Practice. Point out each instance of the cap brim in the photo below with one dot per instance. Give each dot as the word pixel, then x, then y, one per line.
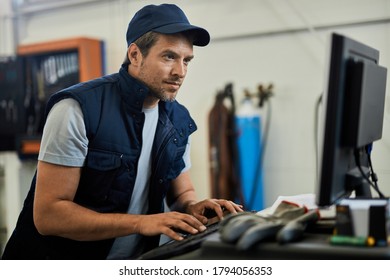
pixel 202 37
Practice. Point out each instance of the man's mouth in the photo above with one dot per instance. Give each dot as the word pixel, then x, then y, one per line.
pixel 174 84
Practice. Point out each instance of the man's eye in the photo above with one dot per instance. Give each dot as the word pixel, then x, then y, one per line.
pixel 169 56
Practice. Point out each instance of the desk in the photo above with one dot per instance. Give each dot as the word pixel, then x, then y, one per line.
pixel 313 246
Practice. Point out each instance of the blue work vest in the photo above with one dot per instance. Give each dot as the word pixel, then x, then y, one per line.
pixel 112 108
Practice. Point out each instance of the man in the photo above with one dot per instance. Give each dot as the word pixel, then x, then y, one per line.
pixel 113 149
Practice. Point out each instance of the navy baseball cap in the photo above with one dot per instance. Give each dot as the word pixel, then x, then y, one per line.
pixel 165 19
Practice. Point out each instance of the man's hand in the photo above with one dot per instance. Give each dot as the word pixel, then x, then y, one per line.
pixel 219 206
pixel 169 223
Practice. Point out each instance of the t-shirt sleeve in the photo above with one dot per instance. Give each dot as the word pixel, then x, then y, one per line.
pixel 187 156
pixel 64 140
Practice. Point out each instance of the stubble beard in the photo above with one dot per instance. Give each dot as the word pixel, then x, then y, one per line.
pixel 162 95
pixel 157 91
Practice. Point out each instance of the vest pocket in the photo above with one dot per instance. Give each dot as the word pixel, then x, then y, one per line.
pixel 98 178
pixel 103 161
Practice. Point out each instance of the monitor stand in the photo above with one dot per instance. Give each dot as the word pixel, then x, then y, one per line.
pixel 357 182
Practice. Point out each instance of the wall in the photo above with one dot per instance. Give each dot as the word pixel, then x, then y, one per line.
pixel 253 42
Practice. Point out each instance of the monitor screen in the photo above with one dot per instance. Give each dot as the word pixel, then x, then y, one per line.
pixel 352 120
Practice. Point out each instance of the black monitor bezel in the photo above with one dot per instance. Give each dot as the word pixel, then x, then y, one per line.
pixel 335 159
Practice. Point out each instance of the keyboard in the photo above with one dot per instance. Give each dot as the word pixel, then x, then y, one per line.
pixel 174 248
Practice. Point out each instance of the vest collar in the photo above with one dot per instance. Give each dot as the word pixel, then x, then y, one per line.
pixel 133 91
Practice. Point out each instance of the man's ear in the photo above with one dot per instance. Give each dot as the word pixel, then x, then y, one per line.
pixel 134 54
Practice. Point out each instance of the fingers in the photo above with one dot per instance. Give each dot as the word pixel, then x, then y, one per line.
pixel 185 223
pixel 188 224
pixel 171 224
pixel 183 227
pixel 227 206
pixel 230 206
pixel 172 234
pixel 218 206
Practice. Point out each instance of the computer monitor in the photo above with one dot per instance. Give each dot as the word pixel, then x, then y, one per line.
pixel 353 104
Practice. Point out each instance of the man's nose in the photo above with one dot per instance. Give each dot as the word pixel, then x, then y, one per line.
pixel 180 69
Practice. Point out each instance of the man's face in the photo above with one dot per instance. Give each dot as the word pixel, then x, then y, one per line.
pixel 163 70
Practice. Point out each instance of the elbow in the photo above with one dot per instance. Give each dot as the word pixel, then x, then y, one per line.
pixel 41 223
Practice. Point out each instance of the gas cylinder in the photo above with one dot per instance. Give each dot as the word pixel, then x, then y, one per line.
pixel 248 137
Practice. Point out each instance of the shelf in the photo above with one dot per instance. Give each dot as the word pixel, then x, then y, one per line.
pixel 90 53
pixel 47 68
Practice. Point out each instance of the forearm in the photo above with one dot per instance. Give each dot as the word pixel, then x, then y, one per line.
pixel 184 200
pixel 182 193
pixel 85 225
pixel 70 220
pixel 56 214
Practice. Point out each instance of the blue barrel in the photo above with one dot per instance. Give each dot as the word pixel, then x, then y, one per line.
pixel 249 155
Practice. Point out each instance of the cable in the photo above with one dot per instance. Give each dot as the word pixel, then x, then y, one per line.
pixel 357 160
pixel 374 177
pixel 316 119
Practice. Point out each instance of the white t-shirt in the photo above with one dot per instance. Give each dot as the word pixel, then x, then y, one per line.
pixel 64 142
